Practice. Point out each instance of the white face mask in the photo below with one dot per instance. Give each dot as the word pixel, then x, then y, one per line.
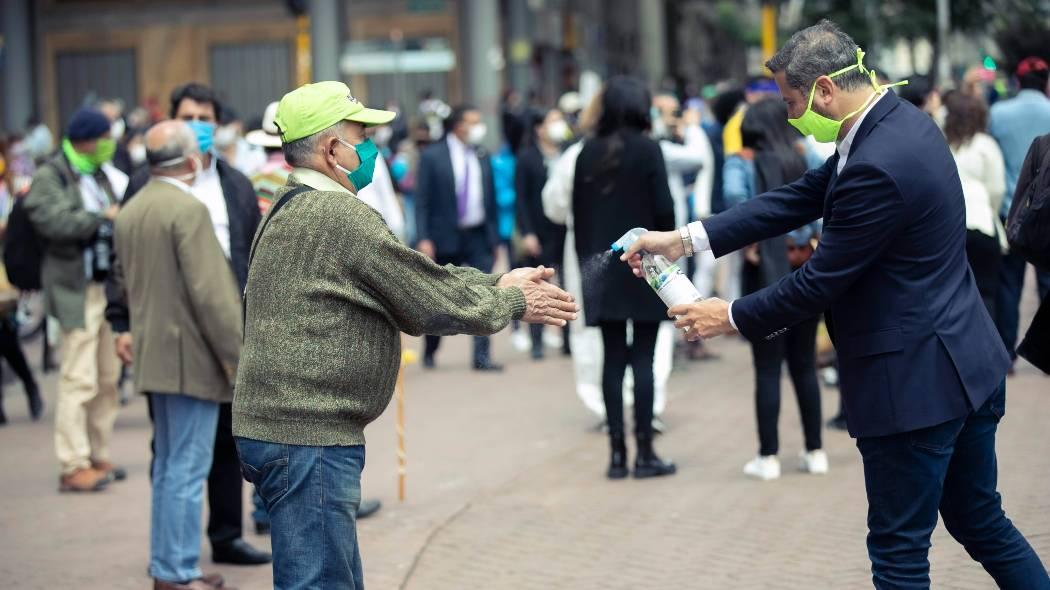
pixel 117 129
pixel 558 131
pixel 477 133
pixel 137 152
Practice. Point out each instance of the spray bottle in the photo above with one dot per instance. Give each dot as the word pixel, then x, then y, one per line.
pixel 669 282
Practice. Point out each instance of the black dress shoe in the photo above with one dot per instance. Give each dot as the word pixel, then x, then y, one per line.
pixel 490 367
pixel 368 508
pixel 838 422
pixel 239 552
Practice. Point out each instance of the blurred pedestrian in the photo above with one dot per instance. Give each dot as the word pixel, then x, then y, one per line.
pixel 234 213
pixel 1034 184
pixel 329 266
pixel 620 183
pixel 983 176
pixel 542 241
pixel 274 172
pixel 456 217
pixel 113 109
pixel 772 157
pixel 71 204
pixel 231 145
pixel 1015 123
pixel 181 296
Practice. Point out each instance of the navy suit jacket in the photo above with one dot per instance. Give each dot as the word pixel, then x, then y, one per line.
pixel 916 347
pixel 437 215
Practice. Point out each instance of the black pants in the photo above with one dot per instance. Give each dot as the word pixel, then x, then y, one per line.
pixel 640 356
pixel 11 350
pixel 798 346
pixel 225 498
pixel 475 251
pixel 986 258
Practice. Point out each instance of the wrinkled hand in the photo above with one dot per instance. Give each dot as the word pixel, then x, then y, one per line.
pixel 668 243
pixel 124 349
pixel 426 247
pixel 544 303
pixel 532 245
pixel 704 319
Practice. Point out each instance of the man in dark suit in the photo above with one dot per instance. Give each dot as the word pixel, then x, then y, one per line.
pixel 234 212
pixel 922 367
pixel 456 210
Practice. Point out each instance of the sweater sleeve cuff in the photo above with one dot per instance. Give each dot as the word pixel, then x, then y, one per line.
pixel 517 302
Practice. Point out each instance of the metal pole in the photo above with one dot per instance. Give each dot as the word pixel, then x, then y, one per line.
pixel 652 23
pixel 18 64
pixel 519 46
pixel 484 62
pixel 943 64
pixel 324 39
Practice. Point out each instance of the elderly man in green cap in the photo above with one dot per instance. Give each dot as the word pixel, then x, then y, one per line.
pixel 329 291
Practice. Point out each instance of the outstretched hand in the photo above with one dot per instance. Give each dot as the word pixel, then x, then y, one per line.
pixel 667 243
pixel 544 303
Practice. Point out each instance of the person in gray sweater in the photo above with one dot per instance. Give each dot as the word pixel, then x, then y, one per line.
pixel 329 291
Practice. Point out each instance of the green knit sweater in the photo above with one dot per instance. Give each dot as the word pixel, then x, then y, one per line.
pixel 329 291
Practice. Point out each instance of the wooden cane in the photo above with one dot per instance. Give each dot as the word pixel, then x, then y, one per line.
pixel 401 457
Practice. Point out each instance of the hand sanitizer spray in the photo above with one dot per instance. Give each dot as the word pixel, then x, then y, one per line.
pixel 669 282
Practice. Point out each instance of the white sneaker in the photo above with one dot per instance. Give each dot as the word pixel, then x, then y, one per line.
pixel 815 462
pixel 521 341
pixel 764 468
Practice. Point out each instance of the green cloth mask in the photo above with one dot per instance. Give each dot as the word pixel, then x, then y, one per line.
pixel 824 129
pixel 89 163
pixel 361 176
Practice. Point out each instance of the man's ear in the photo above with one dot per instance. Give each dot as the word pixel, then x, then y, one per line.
pixel 824 91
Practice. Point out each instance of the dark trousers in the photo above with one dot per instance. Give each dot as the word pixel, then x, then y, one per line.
pixel 799 347
pixel 225 501
pixel 475 251
pixel 640 356
pixel 950 468
pixel 1008 297
pixel 986 260
pixel 11 350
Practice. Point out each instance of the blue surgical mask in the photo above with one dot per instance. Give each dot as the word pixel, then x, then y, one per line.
pixel 361 176
pixel 205 133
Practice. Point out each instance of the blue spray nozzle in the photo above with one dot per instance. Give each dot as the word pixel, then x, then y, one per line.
pixel 627 239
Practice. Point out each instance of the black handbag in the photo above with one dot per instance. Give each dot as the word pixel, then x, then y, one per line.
pixel 1028 224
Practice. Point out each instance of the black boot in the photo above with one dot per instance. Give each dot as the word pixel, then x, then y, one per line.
pixel 647 464
pixel 36 403
pixel 617 458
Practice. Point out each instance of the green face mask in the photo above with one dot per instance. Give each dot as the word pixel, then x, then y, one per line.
pixel 89 163
pixel 826 130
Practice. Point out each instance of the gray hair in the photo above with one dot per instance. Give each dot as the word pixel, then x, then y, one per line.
pixel 301 151
pixel 177 143
pixel 817 51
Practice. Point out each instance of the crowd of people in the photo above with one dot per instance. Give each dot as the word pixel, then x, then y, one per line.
pixel 156 252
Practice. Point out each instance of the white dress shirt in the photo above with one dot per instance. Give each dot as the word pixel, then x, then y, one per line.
pixel 699 235
pixel 462 158
pixel 208 190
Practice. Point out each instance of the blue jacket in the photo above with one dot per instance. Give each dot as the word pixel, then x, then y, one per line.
pixel 916 346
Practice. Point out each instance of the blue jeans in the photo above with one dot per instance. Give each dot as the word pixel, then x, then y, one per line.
pixel 1008 297
pixel 312 495
pixel 949 467
pixel 184 437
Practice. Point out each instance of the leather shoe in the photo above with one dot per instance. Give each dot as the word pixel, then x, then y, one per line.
pixel 112 472
pixel 198 584
pixel 214 580
pixel 83 480
pixel 239 552
pixel 368 508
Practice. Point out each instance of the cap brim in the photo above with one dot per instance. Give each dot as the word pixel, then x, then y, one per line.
pixel 372 117
pixel 263 139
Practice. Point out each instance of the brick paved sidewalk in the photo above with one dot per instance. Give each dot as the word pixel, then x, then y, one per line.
pixel 506 490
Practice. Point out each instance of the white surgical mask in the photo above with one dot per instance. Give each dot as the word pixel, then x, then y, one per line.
pixel 558 131
pixel 137 152
pixel 477 133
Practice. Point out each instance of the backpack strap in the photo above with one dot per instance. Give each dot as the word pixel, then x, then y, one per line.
pixel 284 200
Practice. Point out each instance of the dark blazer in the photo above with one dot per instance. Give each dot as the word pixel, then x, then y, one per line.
pixel 437 214
pixel 530 174
pixel 243 210
pixel 916 347
pixel 605 205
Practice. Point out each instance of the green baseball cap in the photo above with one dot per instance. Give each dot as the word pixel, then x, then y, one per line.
pixel 314 107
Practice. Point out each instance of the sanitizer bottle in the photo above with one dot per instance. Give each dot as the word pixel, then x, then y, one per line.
pixel 669 282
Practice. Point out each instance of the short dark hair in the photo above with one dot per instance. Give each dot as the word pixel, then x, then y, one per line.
pixel 817 51
pixel 196 92
pixel 456 116
pixel 1034 80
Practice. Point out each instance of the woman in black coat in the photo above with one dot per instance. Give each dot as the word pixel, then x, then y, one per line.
pixel 621 183
pixel 542 240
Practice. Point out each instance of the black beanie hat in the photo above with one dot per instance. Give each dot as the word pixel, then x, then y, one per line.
pixel 87 124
